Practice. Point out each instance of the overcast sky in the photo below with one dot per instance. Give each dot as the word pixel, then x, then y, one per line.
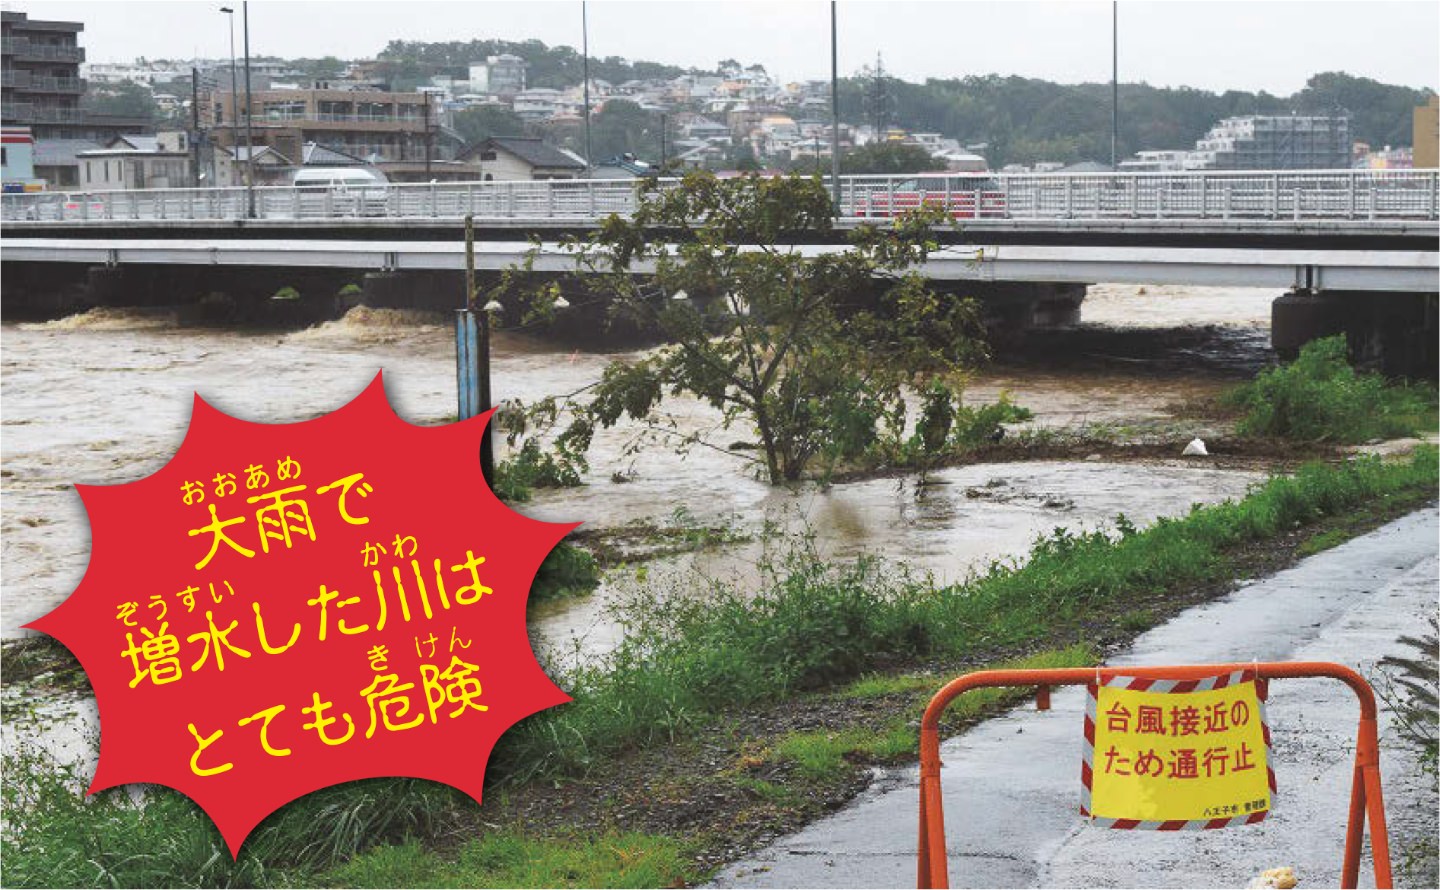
pixel 1251 45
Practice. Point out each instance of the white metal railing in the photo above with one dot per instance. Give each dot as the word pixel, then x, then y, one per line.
pixel 1358 195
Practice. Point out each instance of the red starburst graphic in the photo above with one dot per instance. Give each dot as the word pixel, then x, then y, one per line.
pixel 285 607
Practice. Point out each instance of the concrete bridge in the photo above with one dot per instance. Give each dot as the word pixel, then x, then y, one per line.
pixel 1350 250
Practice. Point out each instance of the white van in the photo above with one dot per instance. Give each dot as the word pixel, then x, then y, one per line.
pixel 341 191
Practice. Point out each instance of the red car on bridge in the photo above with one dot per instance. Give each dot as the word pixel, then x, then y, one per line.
pixel 964 196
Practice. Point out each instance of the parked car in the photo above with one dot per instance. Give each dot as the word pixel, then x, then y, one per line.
pixel 965 196
pixel 81 206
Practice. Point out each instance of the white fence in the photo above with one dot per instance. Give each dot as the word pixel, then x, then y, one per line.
pixel 1358 195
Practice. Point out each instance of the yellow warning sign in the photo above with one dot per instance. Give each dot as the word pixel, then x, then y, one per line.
pixel 1176 754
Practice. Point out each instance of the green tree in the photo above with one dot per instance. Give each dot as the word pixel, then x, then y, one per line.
pixel 813 352
pixel 890 157
pixel 125 98
pixel 486 121
pixel 623 127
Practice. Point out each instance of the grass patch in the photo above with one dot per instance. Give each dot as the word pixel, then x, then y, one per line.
pixel 821 753
pixel 1319 397
pixel 508 859
pixel 1324 541
pixel 881 685
pixel 762 789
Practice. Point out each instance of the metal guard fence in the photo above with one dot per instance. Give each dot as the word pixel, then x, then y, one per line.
pixel 1357 195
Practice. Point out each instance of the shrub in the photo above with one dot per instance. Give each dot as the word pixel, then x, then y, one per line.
pixel 1319 397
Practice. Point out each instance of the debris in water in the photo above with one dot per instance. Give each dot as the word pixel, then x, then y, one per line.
pixel 1196 447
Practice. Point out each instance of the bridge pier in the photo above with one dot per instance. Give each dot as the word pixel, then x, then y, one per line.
pixel 44 290
pixel 1391 332
pixel 1009 309
pixel 434 290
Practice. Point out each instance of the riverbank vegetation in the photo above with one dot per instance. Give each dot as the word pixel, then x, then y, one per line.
pixel 1320 397
pixel 813 639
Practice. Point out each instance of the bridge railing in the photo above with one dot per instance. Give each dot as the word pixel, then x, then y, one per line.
pixel 1169 197
pixel 1222 195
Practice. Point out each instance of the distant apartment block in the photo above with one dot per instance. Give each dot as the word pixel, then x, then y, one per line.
pixel 1162 161
pixel 375 126
pixel 1293 142
pixel 502 75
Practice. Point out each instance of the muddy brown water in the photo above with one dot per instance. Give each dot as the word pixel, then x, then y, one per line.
pixel 104 398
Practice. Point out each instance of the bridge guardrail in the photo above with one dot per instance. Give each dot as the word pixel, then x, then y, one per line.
pixel 1163 197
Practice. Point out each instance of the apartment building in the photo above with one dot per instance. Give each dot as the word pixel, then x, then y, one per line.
pixel 41 67
pixel 1293 142
pixel 369 124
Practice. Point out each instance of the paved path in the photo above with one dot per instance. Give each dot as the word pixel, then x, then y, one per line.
pixel 1019 773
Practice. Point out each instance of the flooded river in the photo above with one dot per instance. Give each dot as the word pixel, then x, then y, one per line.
pixel 104 398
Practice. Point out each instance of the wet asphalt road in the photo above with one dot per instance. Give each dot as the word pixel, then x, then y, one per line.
pixel 1012 784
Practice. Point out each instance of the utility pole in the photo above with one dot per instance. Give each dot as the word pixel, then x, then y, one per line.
pixel 195 137
pixel 234 97
pixel 428 151
pixel 834 112
pixel 249 137
pixel 1114 84
pixel 662 143
pixel 585 63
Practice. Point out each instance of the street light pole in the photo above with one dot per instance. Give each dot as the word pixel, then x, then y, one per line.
pixel 585 63
pixel 249 136
pixel 834 112
pixel 1114 84
pixel 234 96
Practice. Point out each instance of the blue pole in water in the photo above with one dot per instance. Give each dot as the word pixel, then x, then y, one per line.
pixel 472 357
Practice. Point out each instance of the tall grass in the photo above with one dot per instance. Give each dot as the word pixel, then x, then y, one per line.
pixel 686 658
pixel 53 836
pixel 1319 397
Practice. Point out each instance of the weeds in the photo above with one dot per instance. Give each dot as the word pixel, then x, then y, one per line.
pixel 54 836
pixel 567 571
pixel 508 859
pixel 1319 397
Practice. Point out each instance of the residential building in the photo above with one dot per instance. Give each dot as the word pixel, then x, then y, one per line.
pixel 502 75
pixel 1293 142
pixel 538 104
pixel 703 128
pixel 1426 122
pixel 503 159
pixel 375 126
pixel 1162 161
pixel 41 66
pixel 138 162
pixel 40 88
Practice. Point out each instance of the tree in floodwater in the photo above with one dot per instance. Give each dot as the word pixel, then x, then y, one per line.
pixel 813 348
